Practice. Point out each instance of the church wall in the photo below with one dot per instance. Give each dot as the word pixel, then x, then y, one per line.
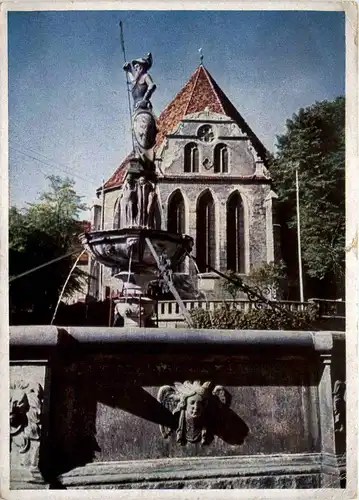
pixel 243 163
pixel 110 200
pixel 253 197
pixel 109 205
pixel 258 226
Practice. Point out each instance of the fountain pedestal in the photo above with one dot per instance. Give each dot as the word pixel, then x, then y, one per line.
pixel 144 253
pixel 134 311
pixel 138 246
pixel 134 307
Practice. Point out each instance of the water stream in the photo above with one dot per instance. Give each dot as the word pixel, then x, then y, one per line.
pixel 204 293
pixel 64 287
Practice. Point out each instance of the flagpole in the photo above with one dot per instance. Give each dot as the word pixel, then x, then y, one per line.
pixel 102 228
pixel 301 292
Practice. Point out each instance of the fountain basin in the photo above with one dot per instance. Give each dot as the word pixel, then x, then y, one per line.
pixel 102 413
pixel 115 248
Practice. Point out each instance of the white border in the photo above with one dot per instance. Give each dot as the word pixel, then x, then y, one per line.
pixel 352 269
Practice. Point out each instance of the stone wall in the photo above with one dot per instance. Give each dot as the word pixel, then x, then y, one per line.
pixel 110 396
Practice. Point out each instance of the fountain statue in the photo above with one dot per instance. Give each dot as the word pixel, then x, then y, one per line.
pixel 136 248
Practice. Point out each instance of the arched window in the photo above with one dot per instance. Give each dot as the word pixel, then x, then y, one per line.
pixel 116 214
pixel 175 213
pixel 191 157
pixel 221 159
pixel 176 218
pixel 235 234
pixel 206 238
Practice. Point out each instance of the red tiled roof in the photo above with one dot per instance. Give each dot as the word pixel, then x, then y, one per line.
pixel 118 176
pixel 85 225
pixel 196 95
pixel 200 92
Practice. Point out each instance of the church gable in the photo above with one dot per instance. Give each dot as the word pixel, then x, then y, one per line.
pixel 208 143
pixel 201 103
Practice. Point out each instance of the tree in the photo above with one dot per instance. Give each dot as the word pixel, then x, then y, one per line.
pixel 269 278
pixel 314 143
pixel 37 234
pixel 230 286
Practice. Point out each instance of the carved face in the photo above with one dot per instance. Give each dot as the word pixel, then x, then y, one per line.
pixel 142 181
pixel 129 183
pixel 138 69
pixel 19 406
pixel 195 406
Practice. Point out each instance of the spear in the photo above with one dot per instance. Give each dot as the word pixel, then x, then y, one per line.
pixel 127 82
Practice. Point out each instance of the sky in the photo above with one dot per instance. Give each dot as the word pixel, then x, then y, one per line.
pixel 68 104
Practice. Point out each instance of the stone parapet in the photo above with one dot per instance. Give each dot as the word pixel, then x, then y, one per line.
pixel 176 408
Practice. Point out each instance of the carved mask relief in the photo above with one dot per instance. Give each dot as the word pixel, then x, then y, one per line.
pixel 195 405
pixel 25 415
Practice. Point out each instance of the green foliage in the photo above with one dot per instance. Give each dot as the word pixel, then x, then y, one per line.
pixel 315 143
pixel 56 212
pixel 230 285
pixel 42 232
pixel 268 277
pixel 232 318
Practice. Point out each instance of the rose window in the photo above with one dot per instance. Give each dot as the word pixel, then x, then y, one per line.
pixel 205 133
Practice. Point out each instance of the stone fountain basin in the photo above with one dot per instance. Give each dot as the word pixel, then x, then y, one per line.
pixel 113 247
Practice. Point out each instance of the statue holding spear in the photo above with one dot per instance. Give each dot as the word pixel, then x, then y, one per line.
pixel 141 171
pixel 142 83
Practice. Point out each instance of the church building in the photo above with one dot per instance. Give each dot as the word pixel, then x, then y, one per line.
pixel 213 184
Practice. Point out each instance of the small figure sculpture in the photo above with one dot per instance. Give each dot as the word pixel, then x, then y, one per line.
pixel 136 204
pixel 129 203
pixel 143 191
pixel 194 404
pixel 152 197
pixel 142 83
pixel 146 198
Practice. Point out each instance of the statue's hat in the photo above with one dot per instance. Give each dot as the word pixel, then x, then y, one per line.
pixel 145 61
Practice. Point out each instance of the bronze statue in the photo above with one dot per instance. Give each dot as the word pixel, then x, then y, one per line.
pixel 142 83
pixel 143 121
pixel 138 199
